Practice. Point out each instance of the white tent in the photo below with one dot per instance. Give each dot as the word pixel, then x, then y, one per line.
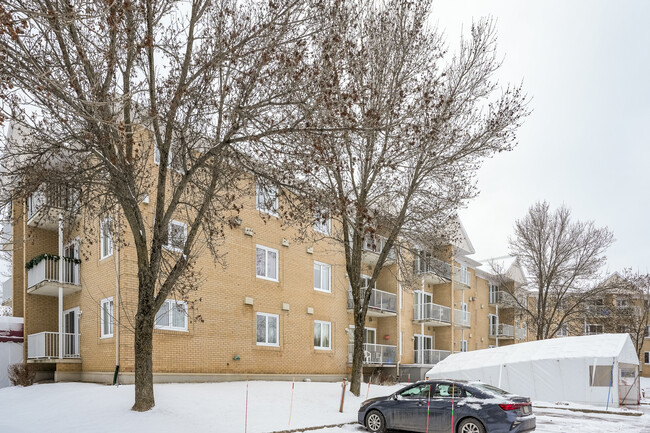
pixel 11 345
pixel 596 369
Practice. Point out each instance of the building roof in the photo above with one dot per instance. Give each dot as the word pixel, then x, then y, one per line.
pixel 590 346
pixel 505 265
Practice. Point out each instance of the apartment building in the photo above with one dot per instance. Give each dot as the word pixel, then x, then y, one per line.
pixel 277 308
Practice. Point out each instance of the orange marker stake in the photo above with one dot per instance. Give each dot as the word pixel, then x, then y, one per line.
pixel 453 391
pixel 428 406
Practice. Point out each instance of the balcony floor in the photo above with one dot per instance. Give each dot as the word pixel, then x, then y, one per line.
pixel 54 361
pixel 431 322
pixel 51 288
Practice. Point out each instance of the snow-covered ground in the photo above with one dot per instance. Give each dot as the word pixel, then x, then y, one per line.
pixel 645 389
pixel 221 407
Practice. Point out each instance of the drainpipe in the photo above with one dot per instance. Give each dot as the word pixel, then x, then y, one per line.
pixel 60 286
pixel 116 302
pixel 498 320
pixel 399 318
pixel 453 325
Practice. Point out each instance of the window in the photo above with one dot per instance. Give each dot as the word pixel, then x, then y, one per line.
pixel 593 329
pixel 493 320
pixel 106 317
pixel 323 223
pixel 106 237
pixel 647 332
pixel 621 303
pixel 266 263
pixel 646 357
pixel 176 235
pixel 602 376
pixel 322 335
pixel 267 329
pixel 172 316
pixel 494 293
pixel 463 345
pixel 563 331
pixel 322 274
pixel 267 199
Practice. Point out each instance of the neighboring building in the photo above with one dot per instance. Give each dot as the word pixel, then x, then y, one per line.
pixel 6 292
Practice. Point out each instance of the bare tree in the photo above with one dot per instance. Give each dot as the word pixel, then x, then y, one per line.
pixel 564 259
pixel 97 87
pixel 396 130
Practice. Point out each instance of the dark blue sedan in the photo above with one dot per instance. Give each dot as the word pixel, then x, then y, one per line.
pixel 433 406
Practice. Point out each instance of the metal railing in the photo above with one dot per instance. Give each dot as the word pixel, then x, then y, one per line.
pixel 379 300
pixel 502 297
pixel 430 356
pixel 600 310
pixel 51 196
pixel 433 312
pixel 431 265
pixel 461 317
pixel 461 276
pixel 46 345
pixel 376 353
pixel 502 330
pixel 48 270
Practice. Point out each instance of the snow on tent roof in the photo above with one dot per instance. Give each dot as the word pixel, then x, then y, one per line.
pixel 589 346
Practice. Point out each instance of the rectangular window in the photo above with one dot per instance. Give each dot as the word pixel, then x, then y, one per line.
pixel 493 320
pixel 172 316
pixel 266 264
pixel 646 357
pixel 267 198
pixel 267 329
pixel 494 293
pixel 621 303
pixel 563 331
pixel 602 376
pixel 323 223
pixel 647 332
pixel 106 237
pixel 106 317
pixel 322 277
pixel 593 329
pixel 176 235
pixel 463 345
pixel 322 335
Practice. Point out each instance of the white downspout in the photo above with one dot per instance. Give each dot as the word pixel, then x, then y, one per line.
pixel 61 286
pixel 498 320
pixel 116 303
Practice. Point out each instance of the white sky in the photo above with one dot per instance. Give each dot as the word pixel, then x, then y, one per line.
pixel 585 64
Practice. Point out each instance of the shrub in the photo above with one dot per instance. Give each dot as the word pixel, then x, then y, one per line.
pixel 21 375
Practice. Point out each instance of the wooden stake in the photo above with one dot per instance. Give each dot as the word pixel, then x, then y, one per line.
pixel 368 392
pixel 343 395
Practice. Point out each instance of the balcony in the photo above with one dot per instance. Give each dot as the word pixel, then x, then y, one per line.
pixel 381 304
pixel 43 275
pixel 461 318
pixel 461 276
pixel 432 314
pixel 44 346
pixel 502 331
pixel 430 356
pixel 432 270
pixel 372 246
pixel 376 354
pixel 48 202
pixel 503 299
pixel 599 310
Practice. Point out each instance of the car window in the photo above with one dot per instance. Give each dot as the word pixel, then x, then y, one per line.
pixel 490 389
pixel 416 392
pixel 446 389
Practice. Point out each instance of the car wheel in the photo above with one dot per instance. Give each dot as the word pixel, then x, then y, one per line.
pixel 375 422
pixel 471 425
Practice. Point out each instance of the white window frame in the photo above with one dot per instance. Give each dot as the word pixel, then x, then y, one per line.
pixel 493 293
pixel 323 266
pixel 268 250
pixel 494 323
pixel 589 325
pixel 325 228
pixel 647 332
pixel 563 331
pixel 267 316
pixel 329 334
pixel 270 190
pixel 106 301
pixel 172 304
pixel 105 239
pixel 167 245
pixel 463 346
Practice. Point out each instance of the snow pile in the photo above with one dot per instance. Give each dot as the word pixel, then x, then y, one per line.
pixel 214 407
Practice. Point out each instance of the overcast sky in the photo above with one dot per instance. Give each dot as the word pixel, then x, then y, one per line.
pixel 586 66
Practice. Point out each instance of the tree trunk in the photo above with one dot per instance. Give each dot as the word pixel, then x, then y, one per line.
pixel 357 354
pixel 144 399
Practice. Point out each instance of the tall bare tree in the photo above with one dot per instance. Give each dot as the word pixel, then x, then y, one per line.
pixel 396 130
pixel 564 261
pixel 95 86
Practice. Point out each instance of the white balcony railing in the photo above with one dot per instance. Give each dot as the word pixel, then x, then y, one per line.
pixel 430 356
pixel 432 265
pixel 502 330
pixel 376 353
pixel 379 300
pixel 47 269
pixel 461 318
pixel 46 345
pixel 432 312
pixel 461 276
pixel 50 196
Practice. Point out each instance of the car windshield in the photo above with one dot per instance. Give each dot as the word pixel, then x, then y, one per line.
pixel 490 389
